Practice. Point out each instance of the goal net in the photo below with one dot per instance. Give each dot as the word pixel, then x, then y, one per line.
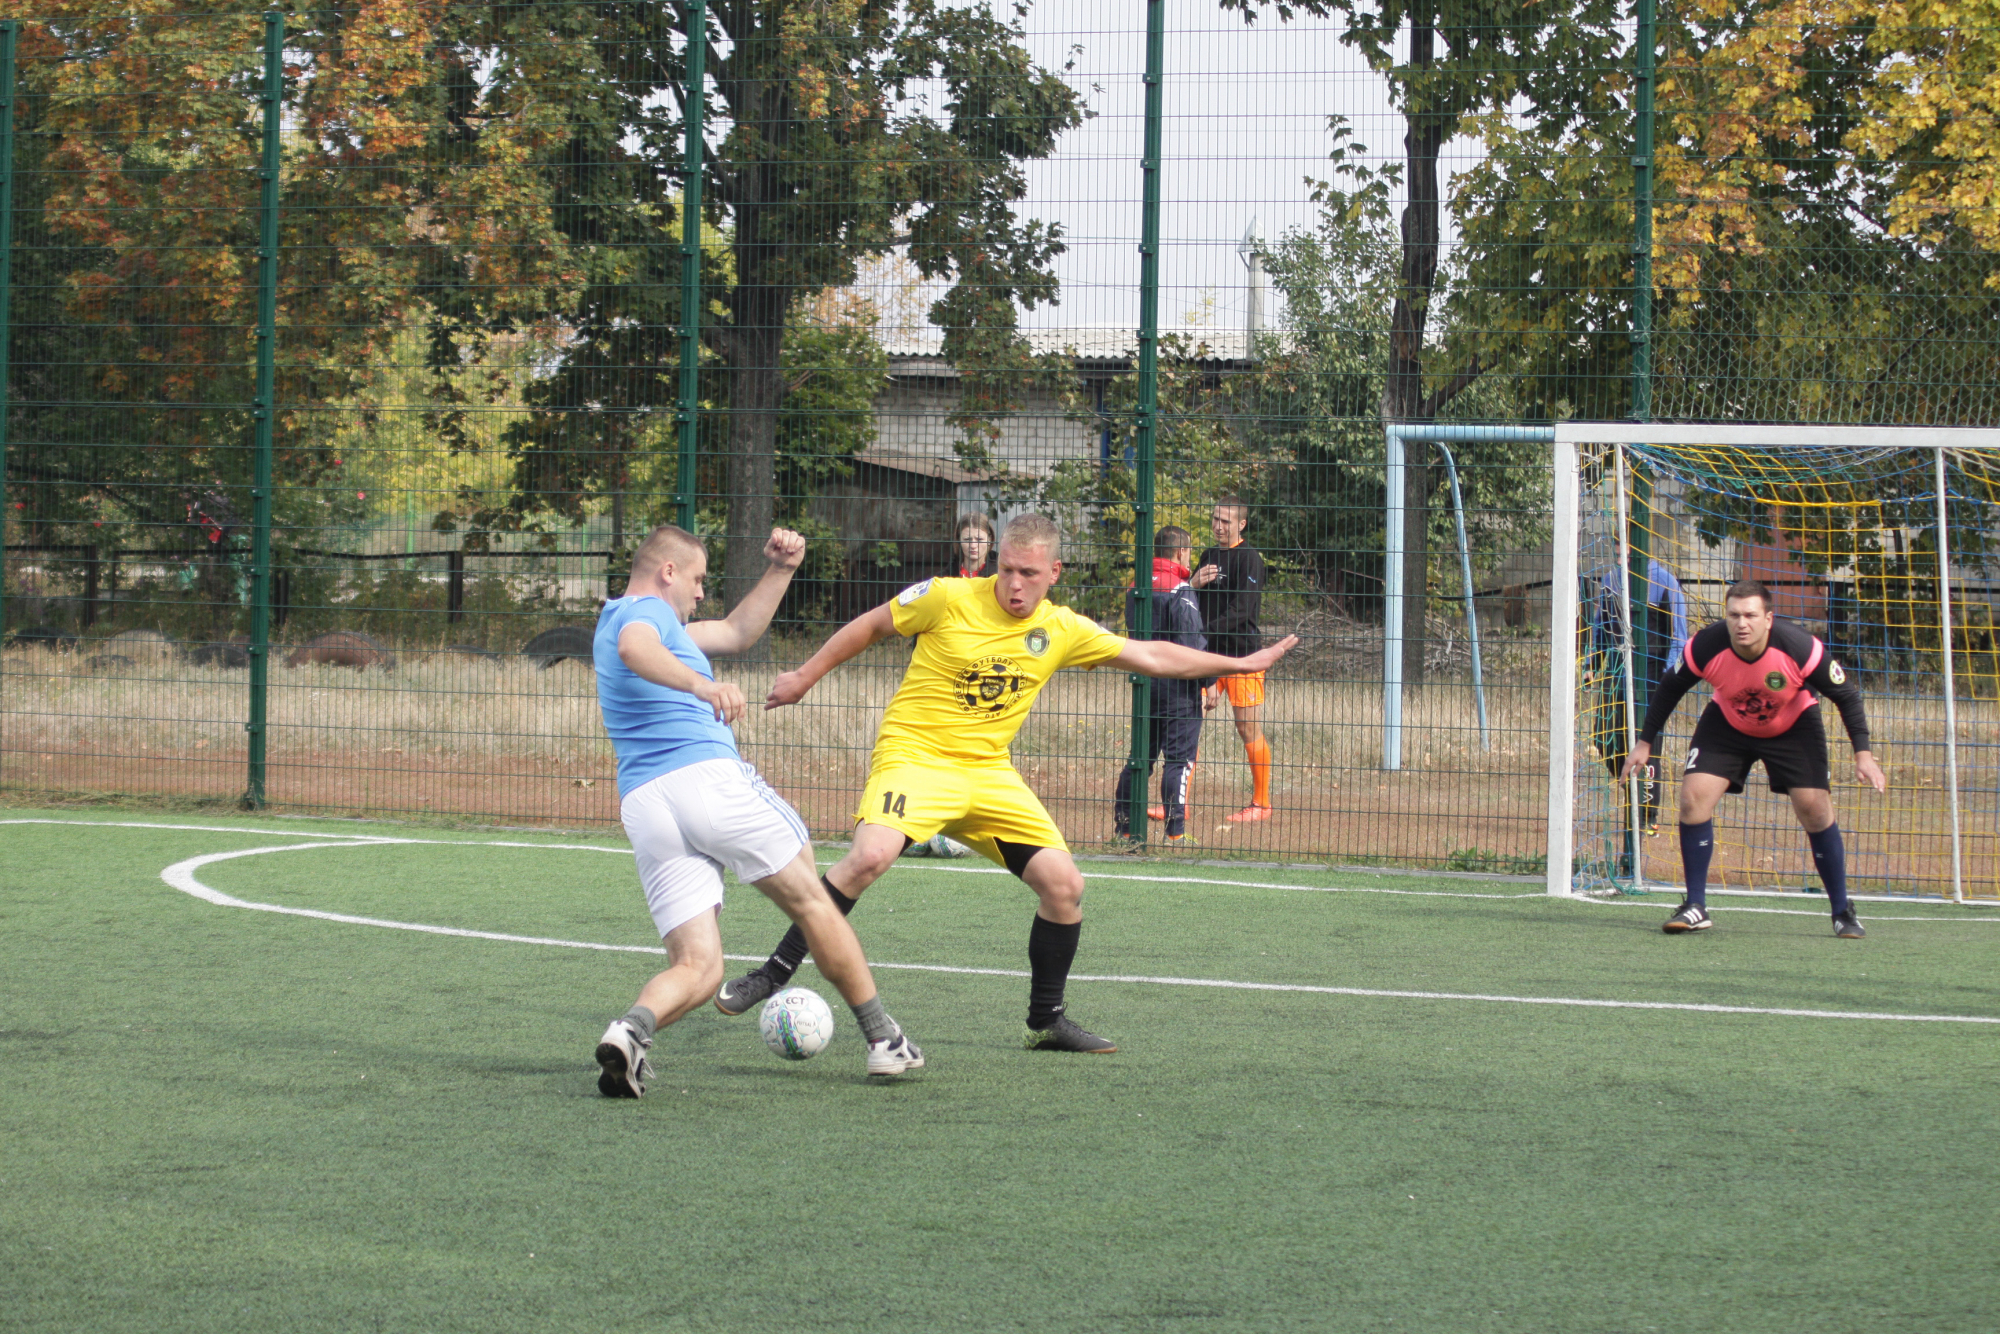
pixel 1881 541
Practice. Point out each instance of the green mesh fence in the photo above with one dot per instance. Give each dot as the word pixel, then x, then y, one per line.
pixel 920 288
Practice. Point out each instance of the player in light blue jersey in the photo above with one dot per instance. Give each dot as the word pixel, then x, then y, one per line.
pixel 692 807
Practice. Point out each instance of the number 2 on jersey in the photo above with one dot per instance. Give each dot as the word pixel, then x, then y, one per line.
pixel 892 802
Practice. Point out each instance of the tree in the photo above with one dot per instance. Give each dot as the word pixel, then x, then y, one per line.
pixel 850 128
pixel 1316 394
pixel 412 134
pixel 1817 244
pixel 1200 452
pixel 1465 59
pixel 1833 156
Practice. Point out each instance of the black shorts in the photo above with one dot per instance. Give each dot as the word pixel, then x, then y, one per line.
pixel 1795 757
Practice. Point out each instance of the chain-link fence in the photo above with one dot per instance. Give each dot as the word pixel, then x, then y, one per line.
pixel 489 294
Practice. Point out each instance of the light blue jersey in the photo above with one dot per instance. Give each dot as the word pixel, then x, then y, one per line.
pixel 654 730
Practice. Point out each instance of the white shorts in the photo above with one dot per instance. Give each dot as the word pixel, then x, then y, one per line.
pixel 686 826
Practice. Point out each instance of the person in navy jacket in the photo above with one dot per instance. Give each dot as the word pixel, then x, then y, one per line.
pixel 1177 705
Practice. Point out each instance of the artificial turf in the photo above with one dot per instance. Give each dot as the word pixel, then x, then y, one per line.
pixel 218 1119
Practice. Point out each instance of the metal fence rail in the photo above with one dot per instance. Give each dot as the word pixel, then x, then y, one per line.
pixel 346 356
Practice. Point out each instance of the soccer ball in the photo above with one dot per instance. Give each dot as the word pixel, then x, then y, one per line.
pixel 937 846
pixel 796 1023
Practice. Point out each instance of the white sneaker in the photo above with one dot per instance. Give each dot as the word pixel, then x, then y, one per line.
pixel 622 1054
pixel 894 1055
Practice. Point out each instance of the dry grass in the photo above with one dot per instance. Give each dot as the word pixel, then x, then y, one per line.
pixel 446 705
pixel 453 734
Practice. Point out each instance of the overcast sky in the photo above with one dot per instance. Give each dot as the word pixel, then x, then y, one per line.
pixel 1246 110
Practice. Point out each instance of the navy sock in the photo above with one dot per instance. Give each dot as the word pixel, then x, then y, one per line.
pixel 1697 848
pixel 791 951
pixel 1830 856
pixel 1051 951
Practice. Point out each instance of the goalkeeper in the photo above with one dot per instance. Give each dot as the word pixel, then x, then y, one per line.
pixel 1767 675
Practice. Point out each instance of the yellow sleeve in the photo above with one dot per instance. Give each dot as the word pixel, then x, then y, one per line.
pixel 921 606
pixel 1088 643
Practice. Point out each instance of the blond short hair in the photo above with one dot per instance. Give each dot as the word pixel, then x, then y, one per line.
pixel 665 543
pixel 1033 530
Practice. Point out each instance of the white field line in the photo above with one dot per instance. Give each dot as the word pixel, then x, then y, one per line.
pixel 1535 895
pixel 1952 912
pixel 181 876
pixel 1950 915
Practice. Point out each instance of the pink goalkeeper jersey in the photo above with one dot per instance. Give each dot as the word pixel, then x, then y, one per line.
pixel 1764 697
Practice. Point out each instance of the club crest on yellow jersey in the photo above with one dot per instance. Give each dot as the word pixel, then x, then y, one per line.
pixel 989 685
pixel 1036 641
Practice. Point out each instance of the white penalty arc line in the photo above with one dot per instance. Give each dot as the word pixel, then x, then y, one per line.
pixel 181 876
pixel 1953 912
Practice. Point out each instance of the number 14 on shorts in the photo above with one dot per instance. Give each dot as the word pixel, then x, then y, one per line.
pixel 893 803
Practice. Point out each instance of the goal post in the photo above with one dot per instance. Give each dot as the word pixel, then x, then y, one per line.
pixel 1883 541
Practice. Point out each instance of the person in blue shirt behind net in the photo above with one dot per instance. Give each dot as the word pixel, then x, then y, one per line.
pixel 692 807
pixel 1663 605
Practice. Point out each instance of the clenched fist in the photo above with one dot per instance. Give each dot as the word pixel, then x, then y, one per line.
pixel 785 549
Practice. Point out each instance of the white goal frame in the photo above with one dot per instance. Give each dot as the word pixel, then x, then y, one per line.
pixel 1565 601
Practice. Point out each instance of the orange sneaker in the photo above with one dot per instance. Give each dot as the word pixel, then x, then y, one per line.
pixel 1249 813
pixel 1156 812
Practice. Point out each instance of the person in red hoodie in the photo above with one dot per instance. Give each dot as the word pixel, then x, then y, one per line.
pixel 1177 705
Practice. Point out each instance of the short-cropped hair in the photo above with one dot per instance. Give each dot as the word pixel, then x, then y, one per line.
pixel 1169 540
pixel 1033 530
pixel 665 543
pixel 1234 503
pixel 1748 588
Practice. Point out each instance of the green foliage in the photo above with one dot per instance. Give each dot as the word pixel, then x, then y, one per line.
pixel 1200 452
pixel 833 374
pixel 1316 398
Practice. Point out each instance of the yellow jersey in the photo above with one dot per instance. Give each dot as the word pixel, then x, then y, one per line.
pixel 976 669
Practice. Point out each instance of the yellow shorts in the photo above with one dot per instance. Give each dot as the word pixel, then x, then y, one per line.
pixel 978 807
pixel 1245 691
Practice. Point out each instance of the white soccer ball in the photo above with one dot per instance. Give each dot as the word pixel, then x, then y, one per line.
pixel 796 1023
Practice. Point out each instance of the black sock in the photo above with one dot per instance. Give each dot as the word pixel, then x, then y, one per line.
pixel 1051 950
pixel 1829 852
pixel 1697 847
pixel 792 950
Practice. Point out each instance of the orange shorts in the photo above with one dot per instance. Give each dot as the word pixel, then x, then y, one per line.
pixel 1246 691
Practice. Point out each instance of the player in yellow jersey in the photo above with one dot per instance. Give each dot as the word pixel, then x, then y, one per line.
pixel 985 648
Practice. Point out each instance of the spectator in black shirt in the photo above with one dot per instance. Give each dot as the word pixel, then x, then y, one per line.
pixel 1231 590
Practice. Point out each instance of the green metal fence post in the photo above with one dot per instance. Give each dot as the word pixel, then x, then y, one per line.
pixel 8 31
pixel 1640 520
pixel 263 410
pixel 1643 44
pixel 1148 414
pixel 688 403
